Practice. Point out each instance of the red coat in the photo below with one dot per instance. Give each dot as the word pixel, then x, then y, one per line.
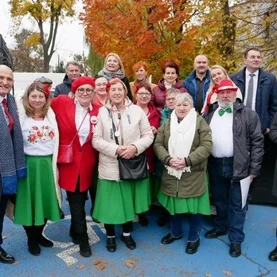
pixel 84 157
pixel 154 117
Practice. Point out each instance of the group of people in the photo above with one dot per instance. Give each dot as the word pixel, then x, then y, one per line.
pixel 202 136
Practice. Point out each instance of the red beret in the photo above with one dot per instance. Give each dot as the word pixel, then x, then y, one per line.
pixel 83 80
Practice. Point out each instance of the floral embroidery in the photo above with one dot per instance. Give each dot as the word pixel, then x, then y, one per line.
pixel 44 133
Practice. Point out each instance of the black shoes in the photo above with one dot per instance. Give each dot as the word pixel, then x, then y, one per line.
pixel 169 239
pixel 273 255
pixel 192 246
pixel 33 247
pixel 43 241
pixel 5 258
pixel 213 234
pixel 110 245
pixel 235 250
pixel 85 250
pixel 129 242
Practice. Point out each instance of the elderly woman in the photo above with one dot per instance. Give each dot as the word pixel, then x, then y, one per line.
pixel 38 194
pixel 170 100
pixel 183 144
pixel 170 80
pixel 217 73
pixel 142 98
pixel 141 76
pixel 122 131
pixel 113 67
pixel 76 118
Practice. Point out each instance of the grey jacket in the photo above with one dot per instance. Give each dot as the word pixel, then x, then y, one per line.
pixel 247 138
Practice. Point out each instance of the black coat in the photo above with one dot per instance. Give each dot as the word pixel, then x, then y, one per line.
pixel 273 137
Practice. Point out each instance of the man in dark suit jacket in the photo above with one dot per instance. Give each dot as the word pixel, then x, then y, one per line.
pixel 260 94
pixel 12 158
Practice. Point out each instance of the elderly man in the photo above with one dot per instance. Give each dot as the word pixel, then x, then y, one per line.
pixel 236 154
pixel 198 82
pixel 12 159
pixel 73 71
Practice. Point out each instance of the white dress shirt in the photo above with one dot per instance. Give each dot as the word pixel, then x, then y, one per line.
pixel 255 86
pixel 222 134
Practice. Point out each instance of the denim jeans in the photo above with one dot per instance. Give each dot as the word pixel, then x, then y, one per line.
pixel 195 224
pixel 226 195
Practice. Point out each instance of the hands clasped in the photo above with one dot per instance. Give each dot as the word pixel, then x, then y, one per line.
pixel 177 163
pixel 126 151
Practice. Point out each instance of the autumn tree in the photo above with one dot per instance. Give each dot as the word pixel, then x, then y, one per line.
pixel 43 13
pixel 155 31
pixel 26 58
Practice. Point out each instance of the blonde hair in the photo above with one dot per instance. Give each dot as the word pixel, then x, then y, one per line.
pixel 28 109
pixel 118 59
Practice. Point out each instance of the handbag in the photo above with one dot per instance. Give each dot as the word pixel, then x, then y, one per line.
pixel 133 168
pixel 65 154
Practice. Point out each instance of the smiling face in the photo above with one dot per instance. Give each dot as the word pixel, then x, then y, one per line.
pixel 100 86
pixel 182 108
pixel 37 100
pixel 84 95
pixel 117 94
pixel 141 74
pixel 6 80
pixel 217 75
pixel 253 60
pixel 201 64
pixel 170 75
pixel 73 72
pixel 112 64
pixel 143 96
pixel 226 98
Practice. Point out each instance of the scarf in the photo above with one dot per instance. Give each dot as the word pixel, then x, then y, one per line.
pixel 110 75
pixel 12 158
pixel 180 140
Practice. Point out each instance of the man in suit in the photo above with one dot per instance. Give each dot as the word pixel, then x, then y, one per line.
pixel 12 159
pixel 258 87
pixel 236 154
pixel 198 82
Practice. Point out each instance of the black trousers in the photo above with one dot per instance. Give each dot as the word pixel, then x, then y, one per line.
pixel 77 202
pixel 126 228
pixel 3 206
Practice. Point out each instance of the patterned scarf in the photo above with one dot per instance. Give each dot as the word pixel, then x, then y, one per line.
pixel 12 158
pixel 109 74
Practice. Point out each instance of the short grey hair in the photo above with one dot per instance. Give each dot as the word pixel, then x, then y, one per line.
pixel 72 63
pixel 184 97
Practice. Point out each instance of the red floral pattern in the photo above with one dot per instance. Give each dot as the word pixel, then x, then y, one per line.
pixel 44 133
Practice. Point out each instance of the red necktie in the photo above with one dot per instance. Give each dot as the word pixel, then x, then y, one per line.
pixel 9 116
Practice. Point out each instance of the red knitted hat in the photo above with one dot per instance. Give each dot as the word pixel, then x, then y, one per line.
pixel 225 85
pixel 83 80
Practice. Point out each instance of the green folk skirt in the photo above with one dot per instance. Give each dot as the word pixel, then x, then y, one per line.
pixel 118 202
pixel 193 205
pixel 36 197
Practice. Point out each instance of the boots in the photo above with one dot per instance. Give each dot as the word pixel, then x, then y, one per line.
pixel 41 239
pixel 32 242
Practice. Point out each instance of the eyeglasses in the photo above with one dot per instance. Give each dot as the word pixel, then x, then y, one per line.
pixel 101 85
pixel 170 99
pixel 144 93
pixel 83 90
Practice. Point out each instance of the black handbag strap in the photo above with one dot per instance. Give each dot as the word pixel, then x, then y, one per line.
pixel 114 130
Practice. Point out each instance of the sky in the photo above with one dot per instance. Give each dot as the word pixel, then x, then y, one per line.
pixel 70 37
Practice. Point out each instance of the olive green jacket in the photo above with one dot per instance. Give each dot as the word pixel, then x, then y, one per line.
pixel 192 184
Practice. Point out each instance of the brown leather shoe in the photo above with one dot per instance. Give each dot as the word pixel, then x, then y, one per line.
pixel 5 258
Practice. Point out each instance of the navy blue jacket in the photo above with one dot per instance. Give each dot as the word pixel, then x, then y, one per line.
pixel 266 97
pixel 64 87
pixel 190 85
